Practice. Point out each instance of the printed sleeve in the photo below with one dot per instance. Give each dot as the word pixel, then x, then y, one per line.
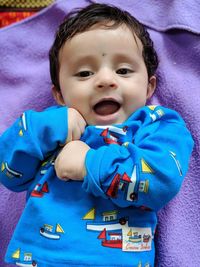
pixel 28 142
pixel 146 172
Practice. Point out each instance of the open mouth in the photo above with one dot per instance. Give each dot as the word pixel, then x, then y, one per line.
pixel 106 107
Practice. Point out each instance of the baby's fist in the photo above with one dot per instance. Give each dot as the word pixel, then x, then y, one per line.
pixel 70 163
pixel 76 125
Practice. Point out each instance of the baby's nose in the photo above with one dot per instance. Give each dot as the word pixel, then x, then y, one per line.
pixel 106 80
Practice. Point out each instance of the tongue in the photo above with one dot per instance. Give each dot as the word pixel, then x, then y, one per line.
pixel 106 107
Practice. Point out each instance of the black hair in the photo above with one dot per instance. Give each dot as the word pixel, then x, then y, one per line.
pixel 81 20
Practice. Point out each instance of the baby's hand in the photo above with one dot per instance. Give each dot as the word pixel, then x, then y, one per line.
pixel 70 163
pixel 76 125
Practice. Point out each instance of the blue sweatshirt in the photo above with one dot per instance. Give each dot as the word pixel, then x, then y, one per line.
pixel 109 219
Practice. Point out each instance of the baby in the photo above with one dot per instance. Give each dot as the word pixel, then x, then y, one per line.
pixel 98 166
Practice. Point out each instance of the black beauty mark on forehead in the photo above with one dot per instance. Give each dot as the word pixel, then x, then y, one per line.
pixel 103 54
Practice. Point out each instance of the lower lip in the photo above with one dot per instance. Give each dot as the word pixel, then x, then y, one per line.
pixel 106 119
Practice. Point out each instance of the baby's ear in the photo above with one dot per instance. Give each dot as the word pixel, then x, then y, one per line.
pixel 57 95
pixel 151 86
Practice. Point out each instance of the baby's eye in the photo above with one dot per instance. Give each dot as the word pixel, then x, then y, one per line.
pixel 84 73
pixel 124 71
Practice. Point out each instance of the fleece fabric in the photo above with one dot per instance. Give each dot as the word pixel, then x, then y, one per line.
pixel 132 170
pixel 25 84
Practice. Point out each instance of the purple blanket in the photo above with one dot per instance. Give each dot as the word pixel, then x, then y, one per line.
pixel 25 84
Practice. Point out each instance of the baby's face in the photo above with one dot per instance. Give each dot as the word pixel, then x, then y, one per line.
pixel 103 75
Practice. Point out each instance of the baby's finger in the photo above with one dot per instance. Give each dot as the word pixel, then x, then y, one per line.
pixel 69 136
pixel 76 134
pixel 82 124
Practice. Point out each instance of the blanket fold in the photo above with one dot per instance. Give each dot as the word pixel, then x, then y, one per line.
pixel 165 15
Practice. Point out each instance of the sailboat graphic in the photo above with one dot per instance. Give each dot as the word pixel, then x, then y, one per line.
pixel 24 260
pixel 126 184
pixel 112 134
pixel 22 125
pixel 134 237
pixel 47 231
pixel 40 189
pixel 109 221
pixel 173 155
pixel 115 240
pixel 10 172
pixel 47 164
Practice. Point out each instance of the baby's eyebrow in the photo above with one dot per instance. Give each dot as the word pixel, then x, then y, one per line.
pixel 80 59
pixel 126 58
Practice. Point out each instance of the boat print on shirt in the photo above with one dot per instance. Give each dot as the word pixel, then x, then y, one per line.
pixel 112 134
pixel 9 172
pixel 42 187
pixel 127 185
pixel 40 190
pixel 115 240
pixel 178 165
pixel 46 164
pixel 116 233
pixel 23 125
pixel 24 259
pixel 109 221
pixel 124 183
pixel 47 231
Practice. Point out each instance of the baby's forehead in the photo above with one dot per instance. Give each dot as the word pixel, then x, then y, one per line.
pixel 113 43
pixel 109 25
